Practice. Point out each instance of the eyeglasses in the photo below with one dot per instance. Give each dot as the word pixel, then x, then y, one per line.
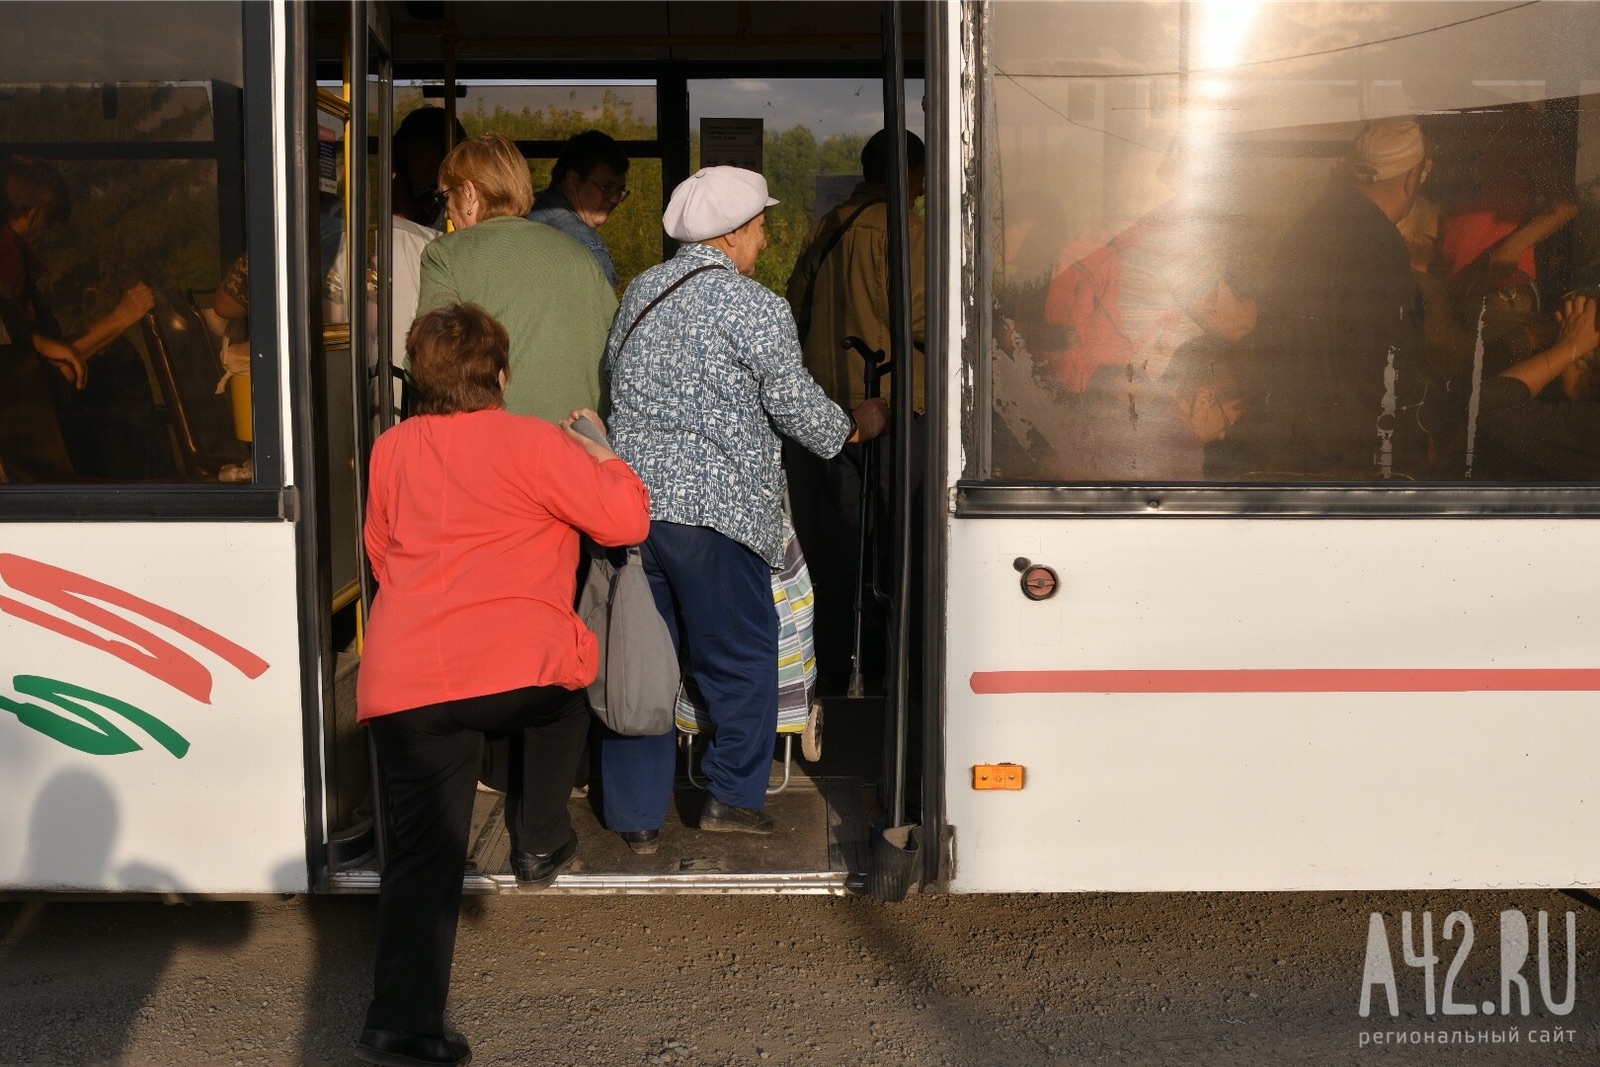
pixel 619 193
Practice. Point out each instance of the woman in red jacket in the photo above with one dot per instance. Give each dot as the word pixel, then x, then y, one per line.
pixel 473 517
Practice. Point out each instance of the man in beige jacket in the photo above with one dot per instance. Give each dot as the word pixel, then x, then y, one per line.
pixel 839 289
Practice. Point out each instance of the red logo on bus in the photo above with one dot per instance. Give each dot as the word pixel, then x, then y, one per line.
pixel 77 595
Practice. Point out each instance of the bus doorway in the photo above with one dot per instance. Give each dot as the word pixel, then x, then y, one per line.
pixel 791 90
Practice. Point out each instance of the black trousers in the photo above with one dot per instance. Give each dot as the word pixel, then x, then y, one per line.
pixel 430 758
pixel 825 498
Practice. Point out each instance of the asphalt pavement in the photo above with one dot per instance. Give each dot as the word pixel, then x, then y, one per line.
pixel 702 980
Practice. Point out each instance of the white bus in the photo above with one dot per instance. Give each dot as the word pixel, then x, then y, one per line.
pixel 1162 643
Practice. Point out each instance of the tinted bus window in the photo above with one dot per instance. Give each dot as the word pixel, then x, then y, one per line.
pixel 1241 242
pixel 121 138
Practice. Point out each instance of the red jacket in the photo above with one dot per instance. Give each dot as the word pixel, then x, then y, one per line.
pixel 472 531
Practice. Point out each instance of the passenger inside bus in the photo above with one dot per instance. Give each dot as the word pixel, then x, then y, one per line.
pixel 31 447
pixel 1340 346
pixel 420 145
pixel 544 287
pixel 1528 435
pixel 1503 224
pixel 102 396
pixel 588 182
pixel 231 305
pixel 840 288
pixel 1132 426
pixel 701 386
pixel 1134 296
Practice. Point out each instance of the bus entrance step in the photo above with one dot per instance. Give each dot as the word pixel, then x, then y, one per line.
pixel 819 847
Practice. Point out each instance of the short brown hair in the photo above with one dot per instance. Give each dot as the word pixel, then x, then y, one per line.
pixel 456 355
pixel 496 170
pixel 28 183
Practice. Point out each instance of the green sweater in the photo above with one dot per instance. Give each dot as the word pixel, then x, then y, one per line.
pixel 548 292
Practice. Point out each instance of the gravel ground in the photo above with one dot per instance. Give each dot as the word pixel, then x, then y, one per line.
pixel 1142 979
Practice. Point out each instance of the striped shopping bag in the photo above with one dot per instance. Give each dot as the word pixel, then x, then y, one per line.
pixel 795 602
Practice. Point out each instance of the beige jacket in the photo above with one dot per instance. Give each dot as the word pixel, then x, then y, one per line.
pixel 850 295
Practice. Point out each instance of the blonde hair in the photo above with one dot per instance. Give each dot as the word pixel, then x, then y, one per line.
pixel 496 170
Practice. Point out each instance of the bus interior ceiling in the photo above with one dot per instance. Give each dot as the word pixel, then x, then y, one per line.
pixel 644 72
pixel 660 33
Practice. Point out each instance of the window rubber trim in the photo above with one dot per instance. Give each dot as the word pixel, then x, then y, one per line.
pixel 1023 500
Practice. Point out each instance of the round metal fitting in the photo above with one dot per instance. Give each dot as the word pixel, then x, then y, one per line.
pixel 1039 582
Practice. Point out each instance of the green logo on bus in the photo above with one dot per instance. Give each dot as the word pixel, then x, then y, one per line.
pixel 82 727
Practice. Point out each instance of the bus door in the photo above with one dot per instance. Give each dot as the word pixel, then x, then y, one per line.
pixel 1233 604
pixel 151 730
pixel 791 89
pixel 349 387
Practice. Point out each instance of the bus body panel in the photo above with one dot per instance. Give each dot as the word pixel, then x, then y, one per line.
pixel 151 709
pixel 1277 705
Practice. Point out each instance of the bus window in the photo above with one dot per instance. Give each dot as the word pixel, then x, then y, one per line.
pixel 544 115
pixel 122 146
pixel 1241 242
pixel 812 131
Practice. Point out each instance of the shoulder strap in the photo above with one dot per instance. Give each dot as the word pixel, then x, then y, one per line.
pixel 804 322
pixel 664 294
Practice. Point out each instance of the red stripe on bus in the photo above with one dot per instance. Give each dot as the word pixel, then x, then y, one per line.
pixel 1294 680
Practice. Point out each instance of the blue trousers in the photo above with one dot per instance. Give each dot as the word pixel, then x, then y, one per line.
pixel 716 596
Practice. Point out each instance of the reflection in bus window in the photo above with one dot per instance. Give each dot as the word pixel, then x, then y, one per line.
pixel 123 193
pixel 1285 242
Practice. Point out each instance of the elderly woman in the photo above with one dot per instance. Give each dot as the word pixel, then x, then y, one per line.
pixel 545 287
pixel 473 517
pixel 705 373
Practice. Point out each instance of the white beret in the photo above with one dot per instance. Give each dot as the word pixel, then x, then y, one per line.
pixel 714 201
pixel 1387 149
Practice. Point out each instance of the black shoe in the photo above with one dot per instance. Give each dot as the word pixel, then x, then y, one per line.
pixel 535 868
pixel 643 842
pixel 396 1048
pixel 715 815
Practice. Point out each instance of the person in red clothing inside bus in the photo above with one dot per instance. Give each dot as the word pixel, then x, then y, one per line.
pixel 473 518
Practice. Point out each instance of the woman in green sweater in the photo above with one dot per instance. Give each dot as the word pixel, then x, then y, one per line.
pixel 543 286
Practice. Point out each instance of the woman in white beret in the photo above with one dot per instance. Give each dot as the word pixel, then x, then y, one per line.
pixel 705 373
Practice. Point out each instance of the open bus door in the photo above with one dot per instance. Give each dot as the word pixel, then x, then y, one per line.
pixel 348 389
pixel 539 74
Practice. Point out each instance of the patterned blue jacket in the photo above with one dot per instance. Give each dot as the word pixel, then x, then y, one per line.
pixel 701 391
pixel 552 208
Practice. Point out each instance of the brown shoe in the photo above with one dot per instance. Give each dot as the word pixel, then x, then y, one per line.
pixel 725 818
